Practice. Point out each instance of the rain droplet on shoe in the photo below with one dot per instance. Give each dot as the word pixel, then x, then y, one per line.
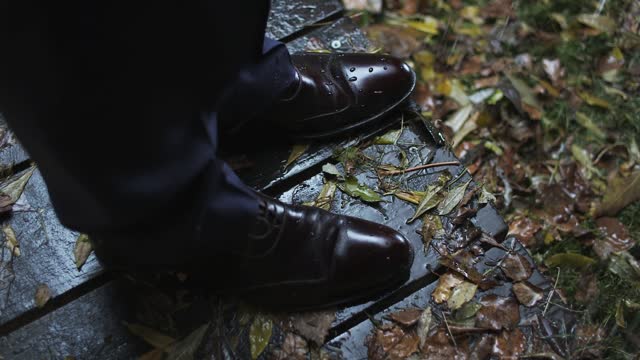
pixel 385 67
pixel 353 78
pixel 370 69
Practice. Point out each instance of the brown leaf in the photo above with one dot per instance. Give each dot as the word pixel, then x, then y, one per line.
pixel 294 347
pixel 446 283
pixel 11 240
pixel 498 312
pixel 14 188
pixel 391 342
pixel 82 250
pixel 498 9
pixel 398 41
pixel 440 347
pixel 483 348
pixel 424 325
pixel 524 229
pixel 510 344
pixel 461 263
pixel 516 267
pixel 42 296
pixel 313 326
pixel 406 317
pixel 527 293
pixel 616 238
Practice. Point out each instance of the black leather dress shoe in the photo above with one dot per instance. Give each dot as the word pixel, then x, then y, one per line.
pixel 341 92
pixel 299 257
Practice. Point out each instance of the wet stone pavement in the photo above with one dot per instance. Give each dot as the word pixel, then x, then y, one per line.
pixel 472 290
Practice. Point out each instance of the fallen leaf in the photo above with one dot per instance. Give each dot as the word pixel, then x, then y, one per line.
pixel 186 348
pixel 11 240
pixel 553 69
pixel 398 41
pixel 440 346
pixel 527 98
pixel 325 198
pixel 82 250
pixel 486 196
pixel 313 326
pixel 260 334
pixel 428 25
pixel 498 312
pixel 620 315
pixel 587 288
pixel 621 191
pixel 462 293
pixel 584 158
pixel 445 286
pixel 594 100
pixel 467 311
pixel 424 325
pixel 459 118
pixel 432 197
pixel 406 317
pixel 516 267
pixel 452 199
pixel 431 227
pixel 331 170
pixel 391 342
pixel 626 267
pixel 510 344
pixel 598 22
pixel 150 336
pixel 296 152
pixel 527 293
pixel 43 295
pixel 293 347
pixel 616 238
pixel 413 197
pixel 16 186
pixel 462 267
pixel 569 259
pixel 586 122
pixel 374 6
pixel 355 189
pixel 390 138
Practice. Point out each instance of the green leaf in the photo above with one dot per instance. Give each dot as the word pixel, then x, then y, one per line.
pixel 296 152
pixel 598 22
pixel 593 100
pixel 260 335
pixel 390 138
pixel 355 189
pixel 432 197
pixel 453 199
pixel 461 294
pixel 325 198
pixel 588 124
pixel 569 259
pixel 413 197
pixel 621 192
pixel 331 169
pixel 582 156
pixel 467 311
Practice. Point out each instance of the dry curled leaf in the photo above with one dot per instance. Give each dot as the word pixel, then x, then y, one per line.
pixel 82 250
pixel 14 188
pixel 498 312
pixel 42 295
pixel 527 293
pixel 11 240
pixel 516 267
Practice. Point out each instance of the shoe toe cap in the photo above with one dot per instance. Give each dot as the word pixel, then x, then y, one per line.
pixel 368 254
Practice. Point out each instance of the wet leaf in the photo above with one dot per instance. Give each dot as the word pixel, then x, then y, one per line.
pixel 586 122
pixel 260 334
pixel 498 312
pixel 11 240
pixel 325 198
pixel 616 238
pixel 452 199
pixel 582 156
pixel 462 293
pixel 573 260
pixel 355 189
pixel 527 293
pixel 621 191
pixel 467 311
pixel 42 295
pixel 293 348
pixel 462 267
pixel 296 152
pixel 593 100
pixel 432 197
pixel 431 227
pixel 486 197
pixel 390 138
pixel 16 186
pixel 428 25
pixel 331 170
pixel 440 346
pixel 510 344
pixel 150 336
pixel 444 289
pixel 406 317
pixel 598 22
pixel 391 342
pixel 186 348
pixel 413 197
pixel 527 97
pixel 424 325
pixel 396 40
pixel 82 250
pixel 516 267
pixel 314 326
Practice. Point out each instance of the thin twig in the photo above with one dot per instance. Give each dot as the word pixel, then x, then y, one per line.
pixel 551 293
pixel 444 317
pixel 421 167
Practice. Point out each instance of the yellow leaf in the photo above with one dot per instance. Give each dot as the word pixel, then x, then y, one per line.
pixel 428 25
pixel 82 250
pixel 296 152
pixel 42 296
pixel 446 283
pixel 260 335
pixel 593 100
pixel 461 294
pixel 12 241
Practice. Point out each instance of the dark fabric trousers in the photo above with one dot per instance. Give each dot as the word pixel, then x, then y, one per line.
pixel 119 103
